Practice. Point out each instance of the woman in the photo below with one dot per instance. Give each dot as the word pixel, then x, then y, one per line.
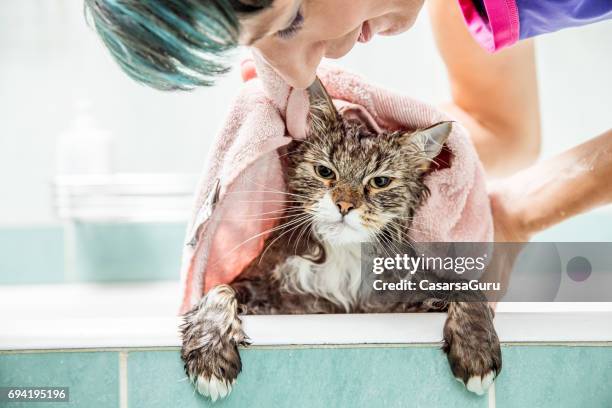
pixel 180 44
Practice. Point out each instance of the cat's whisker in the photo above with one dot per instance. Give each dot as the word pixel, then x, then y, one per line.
pixel 381 245
pixel 257 219
pixel 293 231
pixel 268 201
pixel 393 246
pixel 403 226
pixel 411 225
pixel 280 156
pixel 268 231
pixel 313 214
pixel 268 192
pixel 385 246
pixel 423 157
pixel 380 239
pixel 310 232
pixel 280 210
pixel 295 247
pixel 302 222
pixel 399 230
pixel 309 143
pixel 297 241
pixel 410 218
pixel 411 222
pixel 410 229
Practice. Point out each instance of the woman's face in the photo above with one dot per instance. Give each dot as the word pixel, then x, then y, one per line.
pixel 294 35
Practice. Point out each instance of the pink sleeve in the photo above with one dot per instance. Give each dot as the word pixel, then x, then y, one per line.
pixel 495 26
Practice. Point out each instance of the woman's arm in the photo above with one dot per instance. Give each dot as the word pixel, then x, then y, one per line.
pixel 494 95
pixel 554 190
pixel 546 194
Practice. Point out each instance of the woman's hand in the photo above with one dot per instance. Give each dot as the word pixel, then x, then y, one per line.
pixel 506 221
pixel 508 227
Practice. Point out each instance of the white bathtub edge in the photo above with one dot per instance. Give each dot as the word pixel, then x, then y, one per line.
pixel 59 334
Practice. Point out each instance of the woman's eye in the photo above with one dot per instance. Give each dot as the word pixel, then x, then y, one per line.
pixel 324 172
pixel 380 182
pixel 293 28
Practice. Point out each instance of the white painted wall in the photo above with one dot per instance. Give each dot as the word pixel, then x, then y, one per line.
pixel 51 63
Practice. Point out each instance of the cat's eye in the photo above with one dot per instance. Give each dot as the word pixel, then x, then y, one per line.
pixel 324 172
pixel 380 182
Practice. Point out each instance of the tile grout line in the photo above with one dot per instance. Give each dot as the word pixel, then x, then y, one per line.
pixel 123 379
pixel 491 395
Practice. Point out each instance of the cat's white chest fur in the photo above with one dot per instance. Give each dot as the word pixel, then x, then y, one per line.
pixel 338 279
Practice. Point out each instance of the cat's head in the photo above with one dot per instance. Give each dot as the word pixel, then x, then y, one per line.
pixel 357 184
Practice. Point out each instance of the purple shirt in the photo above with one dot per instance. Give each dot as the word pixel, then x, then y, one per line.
pixel 497 24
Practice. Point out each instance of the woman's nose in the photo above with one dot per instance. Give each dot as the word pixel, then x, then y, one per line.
pixel 297 66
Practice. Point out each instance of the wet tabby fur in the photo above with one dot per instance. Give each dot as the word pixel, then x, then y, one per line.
pixel 345 185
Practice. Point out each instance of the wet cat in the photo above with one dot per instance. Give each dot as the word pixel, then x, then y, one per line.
pixel 347 183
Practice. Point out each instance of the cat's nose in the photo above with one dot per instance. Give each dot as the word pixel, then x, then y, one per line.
pixel 345 207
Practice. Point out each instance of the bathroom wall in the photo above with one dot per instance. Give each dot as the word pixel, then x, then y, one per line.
pixel 53 68
pixel 329 376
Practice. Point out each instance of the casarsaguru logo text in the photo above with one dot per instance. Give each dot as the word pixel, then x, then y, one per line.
pixel 425 285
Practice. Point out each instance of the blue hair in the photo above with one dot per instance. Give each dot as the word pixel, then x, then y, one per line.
pixel 170 44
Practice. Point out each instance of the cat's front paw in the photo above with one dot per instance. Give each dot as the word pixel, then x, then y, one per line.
pixel 475 365
pixel 473 352
pixel 213 372
pixel 212 333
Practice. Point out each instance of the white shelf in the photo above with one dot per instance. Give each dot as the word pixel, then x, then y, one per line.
pixel 133 197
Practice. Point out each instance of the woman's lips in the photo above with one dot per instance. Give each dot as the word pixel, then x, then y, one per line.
pixel 366 33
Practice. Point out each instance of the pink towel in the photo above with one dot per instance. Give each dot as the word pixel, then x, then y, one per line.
pixel 240 192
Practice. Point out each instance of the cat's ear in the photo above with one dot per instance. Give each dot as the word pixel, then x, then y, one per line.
pixel 430 141
pixel 322 110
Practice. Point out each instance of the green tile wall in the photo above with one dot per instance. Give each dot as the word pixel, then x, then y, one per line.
pixel 91 253
pixel 533 376
pixel 31 255
pixel 555 376
pixel 309 378
pixel 91 376
pixel 117 252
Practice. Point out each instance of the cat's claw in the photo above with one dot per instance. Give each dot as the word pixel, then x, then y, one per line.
pixel 213 387
pixel 479 384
